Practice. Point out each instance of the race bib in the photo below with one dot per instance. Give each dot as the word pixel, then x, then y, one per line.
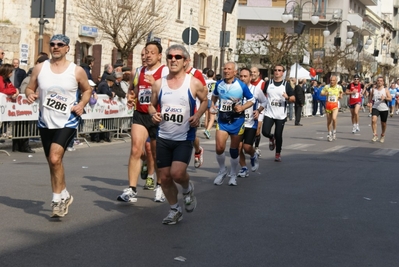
pixel 332 98
pixel 226 105
pixel 58 102
pixel 144 96
pixel 173 114
pixel 356 95
pixel 275 103
pixel 248 113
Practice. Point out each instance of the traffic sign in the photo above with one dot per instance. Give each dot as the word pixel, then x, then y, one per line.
pixel 194 36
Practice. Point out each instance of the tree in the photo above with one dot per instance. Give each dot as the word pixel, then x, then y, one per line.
pixel 125 23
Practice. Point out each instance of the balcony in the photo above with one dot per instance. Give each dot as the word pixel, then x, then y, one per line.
pixel 258 13
pixel 356 20
pixel 369 2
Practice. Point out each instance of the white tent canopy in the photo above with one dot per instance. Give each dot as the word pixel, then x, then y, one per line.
pixel 301 74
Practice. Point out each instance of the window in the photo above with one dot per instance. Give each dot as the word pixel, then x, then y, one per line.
pixel 179 9
pixel 276 34
pixel 321 7
pixel 316 38
pixel 278 3
pixel 202 12
pixel 240 33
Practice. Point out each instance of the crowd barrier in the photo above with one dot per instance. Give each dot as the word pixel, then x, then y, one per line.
pixel 18 119
pixel 307 109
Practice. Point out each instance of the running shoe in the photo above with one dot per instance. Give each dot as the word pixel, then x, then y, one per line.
pixel 357 128
pixel 173 217
pixel 149 184
pixel 190 201
pixel 67 202
pixel 159 195
pixel 329 138
pixel 199 158
pixel 397 112
pixel 369 114
pixel 272 143
pixel 254 163
pixel 71 149
pixel 243 172
pixel 334 136
pixel 354 129
pixel 207 134
pixel 220 178
pixel 233 180
pixel 391 115
pixel 322 116
pixel 277 158
pixel 128 195
pixel 144 171
pixel 257 150
pixel 58 209
pixel 382 139
pixel 375 138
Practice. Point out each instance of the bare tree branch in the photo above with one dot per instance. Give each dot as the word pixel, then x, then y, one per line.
pixel 125 23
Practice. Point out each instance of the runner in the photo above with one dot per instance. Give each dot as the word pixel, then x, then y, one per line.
pixel 176 94
pixel 142 126
pixel 251 124
pixel 334 92
pixel 392 103
pixel 230 92
pixel 258 83
pixel 378 100
pixel 278 93
pixel 355 90
pixel 58 81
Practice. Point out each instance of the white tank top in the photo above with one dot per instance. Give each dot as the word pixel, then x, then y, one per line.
pixel 276 103
pixel 379 104
pixel 177 106
pixel 57 94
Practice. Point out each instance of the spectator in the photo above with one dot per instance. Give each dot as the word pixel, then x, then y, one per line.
pixel 125 83
pixel 18 74
pixel 116 87
pixel 299 101
pixel 107 71
pixel 105 87
pixel 87 65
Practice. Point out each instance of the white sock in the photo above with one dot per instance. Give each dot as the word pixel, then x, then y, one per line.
pixel 220 159
pixel 151 176
pixel 176 207
pixel 56 197
pixel 234 165
pixel 187 190
pixel 64 194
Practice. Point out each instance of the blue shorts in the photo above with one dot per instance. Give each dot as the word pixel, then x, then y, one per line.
pixel 237 127
pixel 392 103
pixel 209 103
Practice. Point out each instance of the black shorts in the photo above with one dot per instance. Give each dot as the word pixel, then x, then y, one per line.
pixel 249 136
pixel 383 114
pixel 145 120
pixel 169 151
pixel 59 136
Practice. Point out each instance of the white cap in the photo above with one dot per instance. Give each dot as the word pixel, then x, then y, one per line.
pixel 91 83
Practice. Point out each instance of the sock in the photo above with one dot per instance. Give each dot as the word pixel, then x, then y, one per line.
pixel 330 133
pixel 175 207
pixel 56 197
pixel 334 131
pixel 220 159
pixel 133 188
pixel 187 190
pixel 64 194
pixel 151 176
pixel 234 165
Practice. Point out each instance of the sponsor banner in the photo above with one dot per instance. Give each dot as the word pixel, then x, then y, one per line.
pixel 19 109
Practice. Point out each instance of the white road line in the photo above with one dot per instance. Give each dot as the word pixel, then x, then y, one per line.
pixel 298 146
pixel 385 152
pixel 339 149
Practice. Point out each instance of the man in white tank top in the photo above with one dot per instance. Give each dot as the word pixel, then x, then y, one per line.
pixel 176 94
pixel 58 80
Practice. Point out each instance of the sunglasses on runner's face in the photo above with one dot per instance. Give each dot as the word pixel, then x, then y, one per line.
pixel 278 70
pixel 177 57
pixel 57 44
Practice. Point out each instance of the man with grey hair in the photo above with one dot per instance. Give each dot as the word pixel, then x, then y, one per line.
pixel 116 88
pixel 178 122
pixel 18 74
pixel 107 71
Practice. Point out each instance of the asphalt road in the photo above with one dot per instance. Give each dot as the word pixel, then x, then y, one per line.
pixel 326 204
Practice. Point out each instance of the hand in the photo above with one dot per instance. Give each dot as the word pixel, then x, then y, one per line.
pixel 78 109
pixel 256 114
pixel 149 79
pixel 14 96
pixel 156 117
pixel 194 121
pixel 32 98
pixel 238 108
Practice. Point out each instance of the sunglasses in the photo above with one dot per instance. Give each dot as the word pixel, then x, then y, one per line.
pixel 278 70
pixel 57 44
pixel 177 57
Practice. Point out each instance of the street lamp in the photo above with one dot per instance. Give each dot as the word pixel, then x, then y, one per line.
pixel 296 11
pixel 349 34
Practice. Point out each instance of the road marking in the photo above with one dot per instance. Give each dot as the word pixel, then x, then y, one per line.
pixel 385 152
pixel 339 149
pixel 298 146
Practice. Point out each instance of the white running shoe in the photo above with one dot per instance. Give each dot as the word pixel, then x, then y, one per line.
pixel 357 128
pixel 190 201
pixel 255 163
pixel 243 172
pixel 128 195
pixel 233 180
pixel 257 150
pixel 354 129
pixel 220 178
pixel 159 195
pixel 375 138
pixel 334 136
